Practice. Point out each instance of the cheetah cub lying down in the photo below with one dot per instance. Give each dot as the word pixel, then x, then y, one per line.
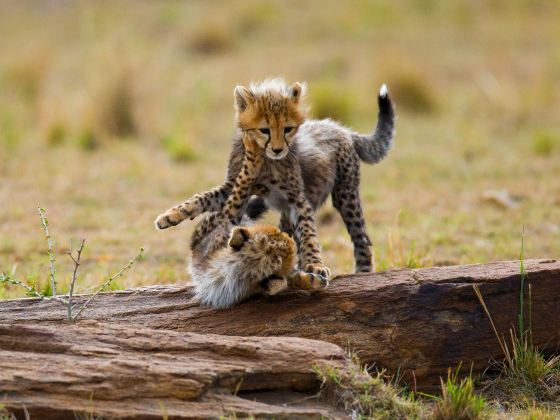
pixel 253 260
pixel 231 263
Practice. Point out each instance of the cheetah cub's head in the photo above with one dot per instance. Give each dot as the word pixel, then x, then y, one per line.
pixel 270 113
pixel 266 243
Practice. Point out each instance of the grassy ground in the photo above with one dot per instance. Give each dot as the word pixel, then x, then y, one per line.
pixel 524 385
pixel 112 112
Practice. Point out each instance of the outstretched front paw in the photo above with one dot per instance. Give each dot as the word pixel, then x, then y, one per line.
pixel 171 217
pixel 307 281
pixel 318 269
pixel 176 215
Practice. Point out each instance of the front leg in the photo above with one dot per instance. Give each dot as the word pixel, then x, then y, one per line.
pixel 285 223
pixel 303 220
pixel 209 201
pixel 244 183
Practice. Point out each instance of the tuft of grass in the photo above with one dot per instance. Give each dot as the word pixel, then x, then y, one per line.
pixel 7 246
pixel 545 142
pixel 114 286
pixel 87 139
pixel 253 18
pixel 365 396
pixel 40 283
pixel 329 100
pixel 212 38
pixel 10 134
pixel 28 74
pixel 5 414
pixel 178 148
pixel 536 413
pixel 400 255
pixel 56 134
pixel 114 108
pixel 458 400
pixel 233 416
pixel 526 375
pixel 412 94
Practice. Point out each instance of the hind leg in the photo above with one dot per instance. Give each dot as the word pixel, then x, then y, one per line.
pixel 346 200
pixel 273 285
pixel 286 223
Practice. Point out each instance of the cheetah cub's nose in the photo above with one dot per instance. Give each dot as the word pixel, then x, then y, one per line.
pixel 277 151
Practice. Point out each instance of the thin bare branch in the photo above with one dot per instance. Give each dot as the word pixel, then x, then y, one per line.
pixel 45 224
pixel 109 281
pixel 74 275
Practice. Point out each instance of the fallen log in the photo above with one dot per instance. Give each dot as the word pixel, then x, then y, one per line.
pixel 416 322
pixel 120 372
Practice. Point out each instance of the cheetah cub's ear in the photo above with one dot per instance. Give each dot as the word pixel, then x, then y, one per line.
pixel 296 91
pixel 238 238
pixel 243 98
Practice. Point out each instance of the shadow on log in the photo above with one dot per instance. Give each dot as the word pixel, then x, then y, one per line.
pixel 418 322
pixel 121 372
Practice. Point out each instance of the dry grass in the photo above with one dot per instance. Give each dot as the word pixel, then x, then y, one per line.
pixel 366 396
pixel 527 381
pixel 474 97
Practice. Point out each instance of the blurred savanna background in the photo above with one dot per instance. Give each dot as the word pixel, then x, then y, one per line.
pixel 111 112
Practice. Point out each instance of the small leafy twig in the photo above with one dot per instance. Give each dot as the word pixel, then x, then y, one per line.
pixel 45 224
pixel 74 275
pixel 6 278
pixel 109 281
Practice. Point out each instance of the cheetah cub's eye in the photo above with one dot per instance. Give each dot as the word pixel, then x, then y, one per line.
pixel 288 130
pixel 265 131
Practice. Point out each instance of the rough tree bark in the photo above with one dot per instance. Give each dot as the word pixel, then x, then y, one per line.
pixel 121 372
pixel 418 322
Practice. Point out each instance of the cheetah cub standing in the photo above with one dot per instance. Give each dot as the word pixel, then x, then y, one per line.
pixel 306 160
pixel 231 263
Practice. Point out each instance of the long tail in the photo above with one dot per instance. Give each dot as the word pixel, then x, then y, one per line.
pixel 373 148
